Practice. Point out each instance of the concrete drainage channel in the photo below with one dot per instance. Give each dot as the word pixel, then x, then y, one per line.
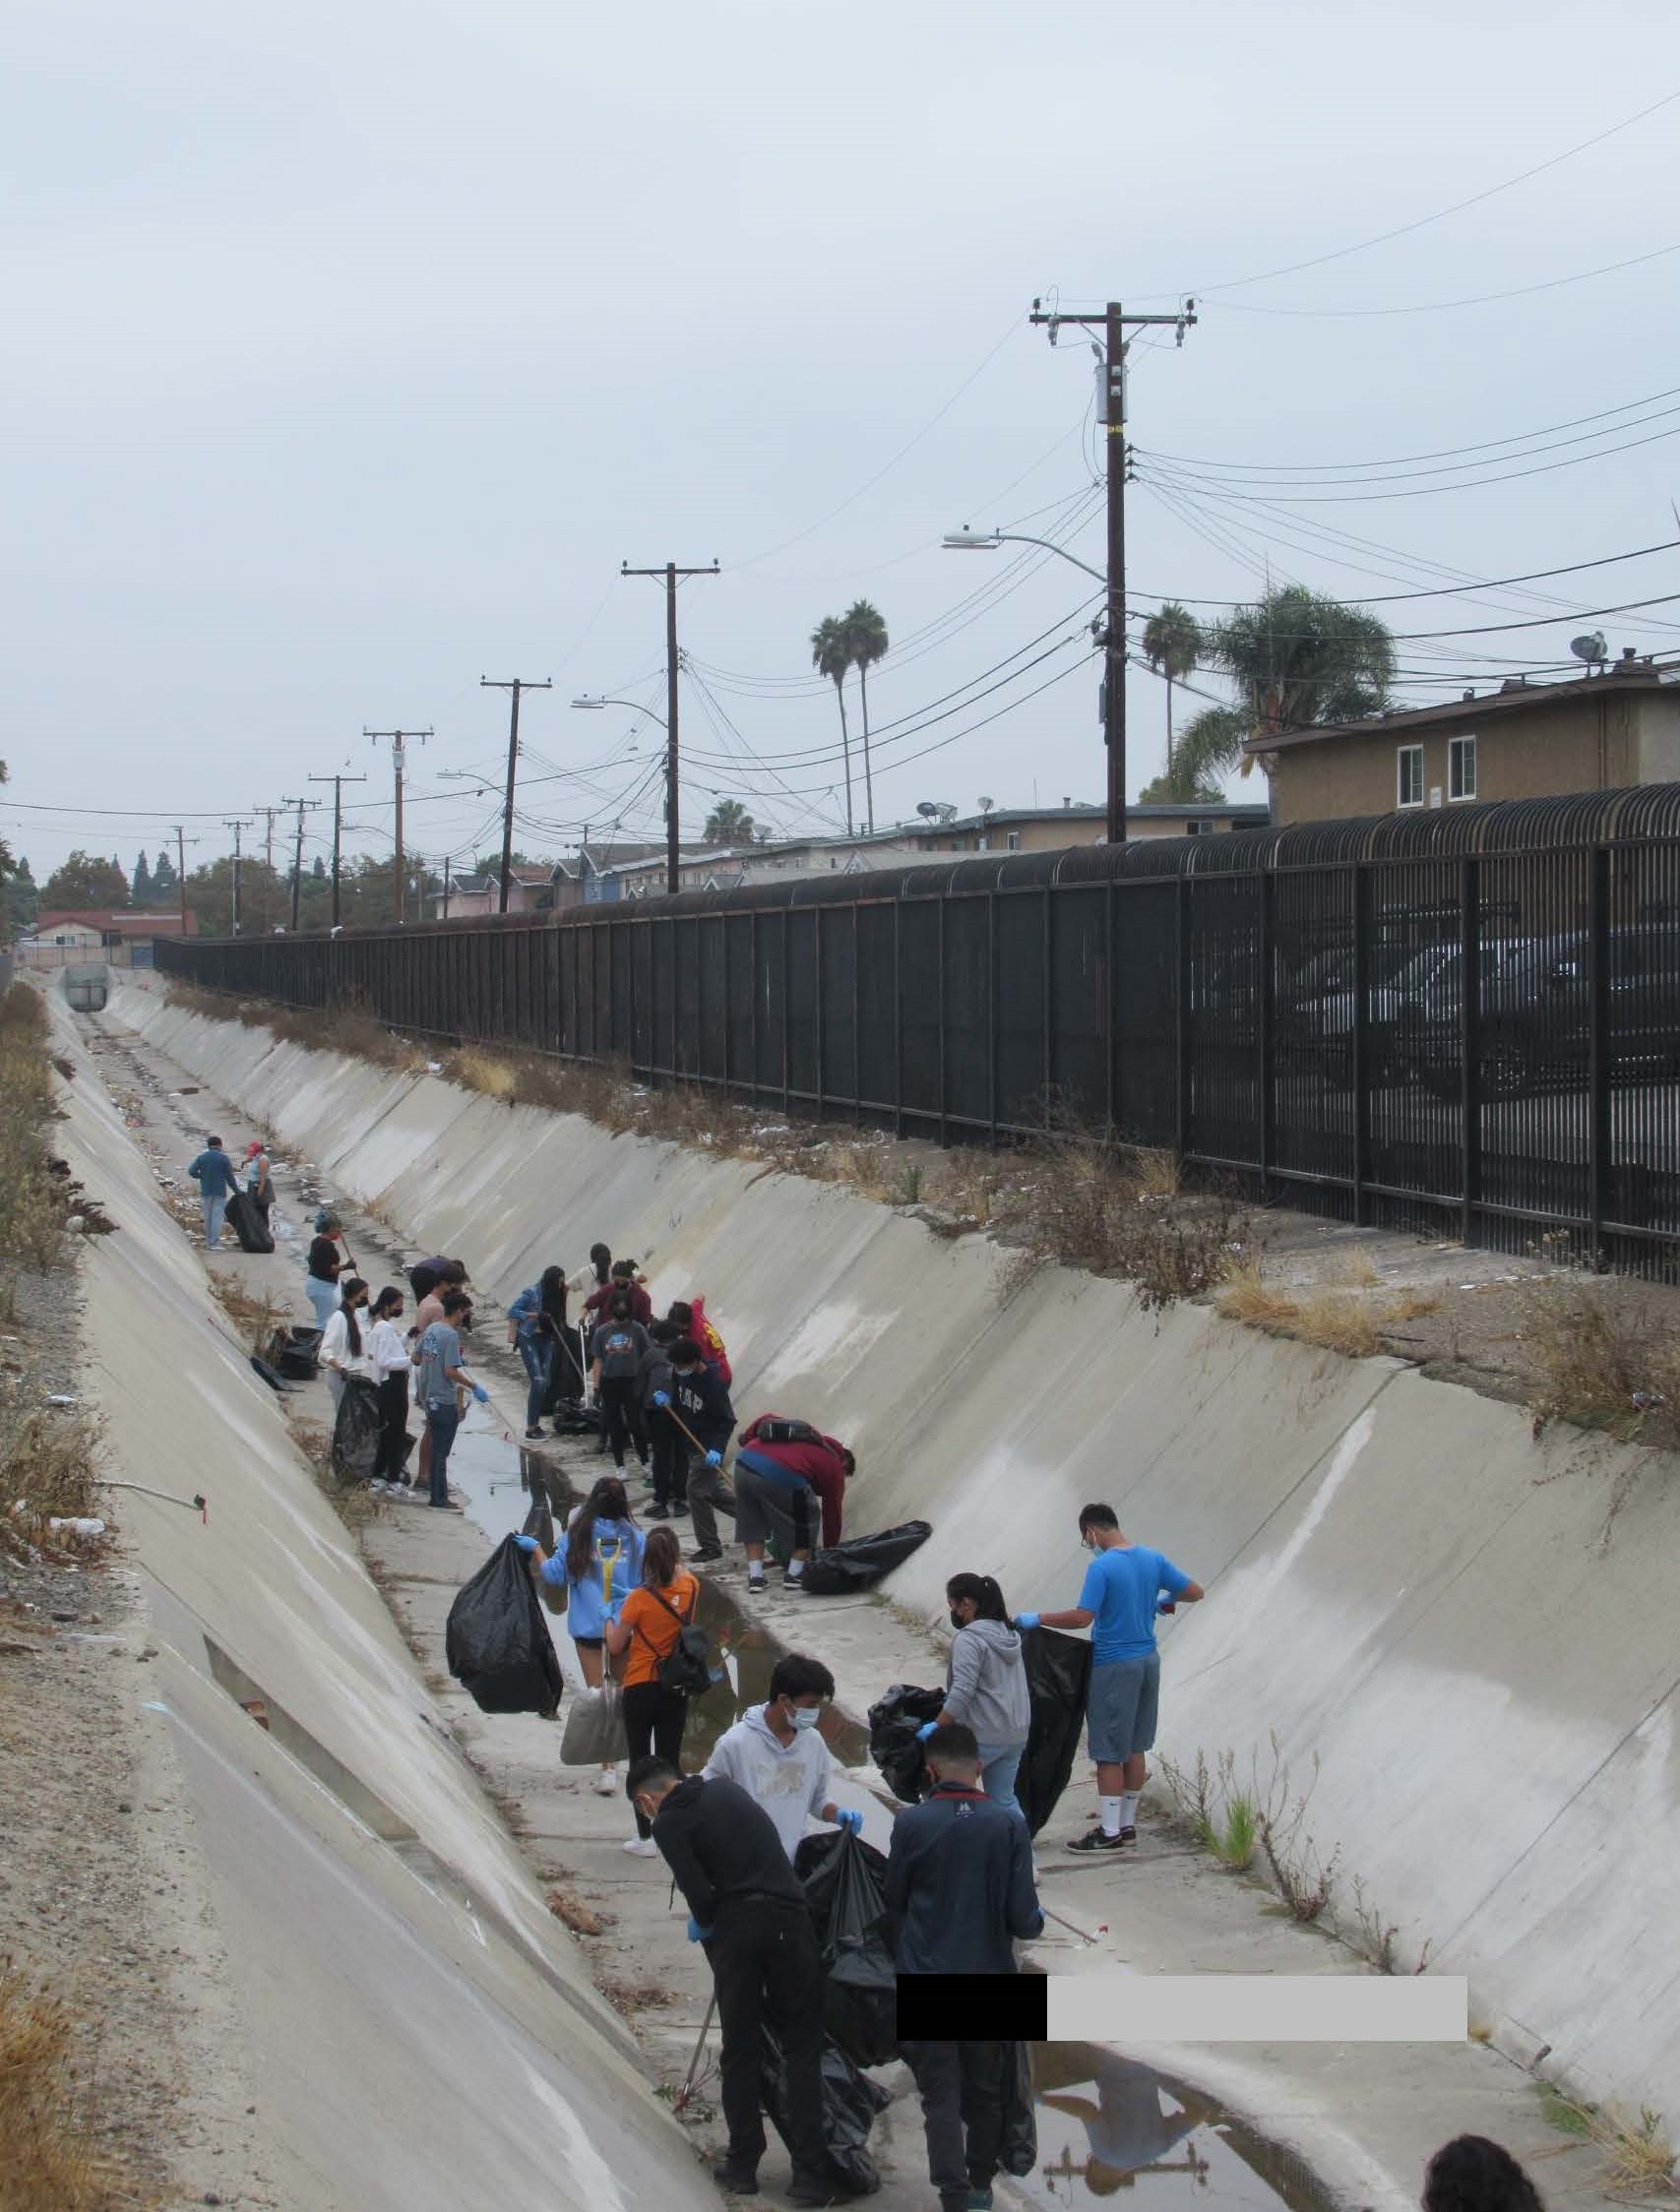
pixel 1363 2121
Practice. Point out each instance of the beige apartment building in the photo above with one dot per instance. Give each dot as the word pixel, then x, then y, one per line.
pixel 1525 741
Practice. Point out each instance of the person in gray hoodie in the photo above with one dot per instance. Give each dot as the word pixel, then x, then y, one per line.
pixel 986 1684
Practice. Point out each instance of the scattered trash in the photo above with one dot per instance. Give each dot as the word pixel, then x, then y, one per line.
pixel 61 1397
pixel 76 1526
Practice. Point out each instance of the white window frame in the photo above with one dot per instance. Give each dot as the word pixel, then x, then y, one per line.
pixel 1459 750
pixel 1405 754
pixel 1012 841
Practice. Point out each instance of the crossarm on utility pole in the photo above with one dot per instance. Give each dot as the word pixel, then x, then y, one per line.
pixel 670 574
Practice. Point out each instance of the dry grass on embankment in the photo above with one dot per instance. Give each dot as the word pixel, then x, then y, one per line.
pixel 49 1473
pixel 1603 1356
pixel 32 1211
pixel 48 2160
pixel 1350 1318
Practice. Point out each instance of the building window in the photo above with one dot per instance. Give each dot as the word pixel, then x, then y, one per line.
pixel 1461 767
pixel 1409 775
pixel 1012 840
pixel 1200 828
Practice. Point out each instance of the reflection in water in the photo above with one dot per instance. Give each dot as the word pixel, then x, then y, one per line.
pixel 1106 2123
pixel 501 1480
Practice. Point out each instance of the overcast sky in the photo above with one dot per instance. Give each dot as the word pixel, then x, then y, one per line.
pixel 351 349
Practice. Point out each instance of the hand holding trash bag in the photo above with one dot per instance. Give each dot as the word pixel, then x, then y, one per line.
pixel 526 1543
pixel 497 1641
pixel 696 1933
pixel 1026 1620
pixel 925 1730
pixel 850 1820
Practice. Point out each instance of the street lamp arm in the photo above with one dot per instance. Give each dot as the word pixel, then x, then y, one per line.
pixel 629 702
pixel 982 541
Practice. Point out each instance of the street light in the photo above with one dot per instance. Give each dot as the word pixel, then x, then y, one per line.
pixel 988 541
pixel 592 705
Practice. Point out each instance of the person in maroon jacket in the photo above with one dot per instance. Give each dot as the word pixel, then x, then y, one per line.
pixel 623 1277
pixel 786 1474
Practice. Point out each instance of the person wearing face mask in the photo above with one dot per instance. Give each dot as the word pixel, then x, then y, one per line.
pixel 778 1757
pixel 342 1350
pixel 1125 1586
pixel 986 1684
pixel 700 1403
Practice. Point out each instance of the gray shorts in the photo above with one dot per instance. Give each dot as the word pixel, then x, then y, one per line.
pixel 1121 1707
pixel 782 1514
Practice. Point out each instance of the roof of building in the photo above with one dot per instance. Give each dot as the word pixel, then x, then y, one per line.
pixel 1517 696
pixel 140 922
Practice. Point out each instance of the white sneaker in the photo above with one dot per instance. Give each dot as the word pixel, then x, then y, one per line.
pixel 606 1784
pixel 642 1847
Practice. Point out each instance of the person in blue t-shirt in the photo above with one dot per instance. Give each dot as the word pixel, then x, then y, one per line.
pixel 1125 1586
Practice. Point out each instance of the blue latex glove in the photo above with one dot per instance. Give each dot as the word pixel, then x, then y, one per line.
pixel 714 1459
pixel 661 1398
pixel 1026 1620
pixel 849 1820
pixel 1164 1604
pixel 481 1393
pixel 526 1543
pixel 925 1730
pixel 696 1933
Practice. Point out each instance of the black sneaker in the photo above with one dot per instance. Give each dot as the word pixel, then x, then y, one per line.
pixel 705 1556
pixel 739 2181
pixel 531 1436
pixel 679 1511
pixel 811 2188
pixel 1097 1839
pixel 1128 1835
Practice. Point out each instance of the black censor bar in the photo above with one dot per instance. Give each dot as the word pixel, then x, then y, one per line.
pixel 973 2008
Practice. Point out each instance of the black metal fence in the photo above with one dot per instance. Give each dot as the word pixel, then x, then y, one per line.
pixel 1464 1021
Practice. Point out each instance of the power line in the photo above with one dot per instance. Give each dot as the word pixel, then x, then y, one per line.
pixel 1449 590
pixel 1474 299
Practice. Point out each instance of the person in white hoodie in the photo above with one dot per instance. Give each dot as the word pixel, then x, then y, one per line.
pixel 986 1684
pixel 776 1756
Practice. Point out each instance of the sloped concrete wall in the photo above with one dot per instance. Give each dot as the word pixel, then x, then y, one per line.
pixel 417 2029
pixel 1406 1589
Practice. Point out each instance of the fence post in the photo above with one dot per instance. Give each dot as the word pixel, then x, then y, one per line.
pixel 1049 985
pixel 1600 1156
pixel 1181 999
pixel 752 998
pixel 1262 1015
pixel 943 1132
pixel 1470 1044
pixel 1361 1040
pixel 992 1010
pixel 819 1003
pixel 897 1019
pixel 856 1019
pixel 786 1024
pixel 1111 1007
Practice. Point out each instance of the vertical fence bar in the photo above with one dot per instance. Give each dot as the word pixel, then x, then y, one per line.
pixel 1263 1015
pixel 944 1133
pixel 992 1010
pixel 1361 1039
pixel 819 1001
pixel 898 1017
pixel 1047 981
pixel 856 1015
pixel 1181 997
pixel 1470 1044
pixel 1111 999
pixel 1600 1159
pixel 752 998
pixel 786 1012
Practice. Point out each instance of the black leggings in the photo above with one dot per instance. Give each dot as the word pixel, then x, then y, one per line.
pixel 621 1414
pixel 653 1720
pixel 394 1437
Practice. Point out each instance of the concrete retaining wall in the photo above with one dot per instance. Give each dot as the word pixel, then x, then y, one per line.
pixel 416 2029
pixel 1405 1587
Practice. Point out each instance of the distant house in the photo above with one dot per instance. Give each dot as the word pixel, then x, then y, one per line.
pixel 542 888
pixel 122 938
pixel 1522 740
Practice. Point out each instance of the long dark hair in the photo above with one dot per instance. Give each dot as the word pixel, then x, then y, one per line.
pixel 661 1559
pixel 347 1291
pixel 552 1297
pixel 388 1301
pixel 982 1590
pixel 600 1260
pixel 606 1501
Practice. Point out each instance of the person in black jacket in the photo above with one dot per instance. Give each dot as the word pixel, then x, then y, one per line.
pixel 960 1897
pixel 747 1907
pixel 701 1402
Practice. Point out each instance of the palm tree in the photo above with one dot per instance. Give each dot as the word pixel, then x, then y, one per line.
pixel 729 824
pixel 1299 659
pixel 830 657
pixel 1205 753
pixel 1173 646
pixel 867 640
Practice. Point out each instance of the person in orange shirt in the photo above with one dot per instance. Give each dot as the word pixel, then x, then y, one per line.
pixel 646 1632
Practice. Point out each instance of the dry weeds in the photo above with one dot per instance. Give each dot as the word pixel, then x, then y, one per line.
pixel 1639 2158
pixel 49 1474
pixel 48 2161
pixel 1600 1360
pixel 354 1504
pixel 1337 1318
pixel 32 1213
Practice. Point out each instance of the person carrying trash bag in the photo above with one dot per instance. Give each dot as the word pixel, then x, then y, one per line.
pixel 699 1404
pixel 598 1567
pixel 959 1895
pixel 776 1756
pixel 1125 1586
pixel 986 1684
pixel 747 1907
pixel 496 1642
pixel 786 1474
pixel 442 1373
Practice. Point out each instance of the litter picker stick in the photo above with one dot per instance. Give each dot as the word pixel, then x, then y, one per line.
pixel 679 2102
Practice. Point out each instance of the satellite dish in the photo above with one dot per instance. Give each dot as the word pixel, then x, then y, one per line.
pixel 936 810
pixel 1592 649
pixel 986 806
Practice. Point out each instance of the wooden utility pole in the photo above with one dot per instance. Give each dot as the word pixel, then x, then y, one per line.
pixel 672 575
pixel 515 685
pixel 268 814
pixel 1113 322
pixel 303 806
pixel 397 738
pixel 338 783
pixel 236 828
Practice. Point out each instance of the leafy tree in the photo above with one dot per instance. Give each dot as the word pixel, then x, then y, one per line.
pixel 830 657
pixel 22 899
pixel 264 898
pixel 165 883
pixel 319 870
pixel 867 642
pixel 86 881
pixel 140 882
pixel 729 824
pixel 1167 790
pixel 1173 646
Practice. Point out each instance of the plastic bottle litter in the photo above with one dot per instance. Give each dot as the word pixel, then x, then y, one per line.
pixel 76 1527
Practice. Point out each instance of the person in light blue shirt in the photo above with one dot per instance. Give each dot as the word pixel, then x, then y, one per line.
pixel 536 1327
pixel 218 1178
pixel 599 1565
pixel 1126 1585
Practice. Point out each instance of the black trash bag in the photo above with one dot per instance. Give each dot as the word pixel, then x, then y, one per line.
pixel 1018 2145
pixel 844 1881
pixel 497 1642
pixel 852 2103
pixel 295 1352
pixel 571 1419
pixel 1058 1675
pixel 893 1743
pixel 355 1430
pixel 271 1375
pixel 861 1561
pixel 540 1522
pixel 249 1223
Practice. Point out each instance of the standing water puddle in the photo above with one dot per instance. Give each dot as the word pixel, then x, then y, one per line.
pixel 500 1480
pixel 1107 2124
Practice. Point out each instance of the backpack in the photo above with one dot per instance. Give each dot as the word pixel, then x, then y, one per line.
pixel 687 1666
pixel 777 1428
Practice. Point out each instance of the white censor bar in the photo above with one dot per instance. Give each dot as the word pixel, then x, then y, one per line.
pixel 1258 2008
